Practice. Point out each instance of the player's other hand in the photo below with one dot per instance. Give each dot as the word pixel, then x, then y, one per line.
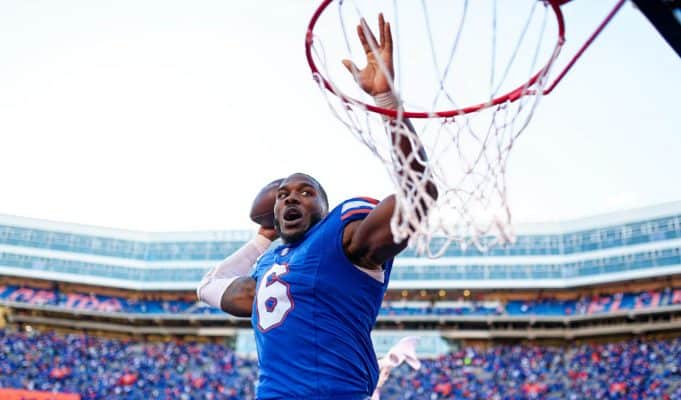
pixel 378 74
pixel 269 233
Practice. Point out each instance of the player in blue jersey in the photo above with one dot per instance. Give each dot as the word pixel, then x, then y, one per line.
pixel 314 298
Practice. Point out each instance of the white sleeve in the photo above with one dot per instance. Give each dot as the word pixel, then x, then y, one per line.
pixel 403 351
pixel 238 264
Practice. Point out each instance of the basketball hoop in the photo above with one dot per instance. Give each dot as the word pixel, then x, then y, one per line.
pixel 467 145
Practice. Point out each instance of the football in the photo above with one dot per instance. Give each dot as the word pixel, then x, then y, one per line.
pixel 262 209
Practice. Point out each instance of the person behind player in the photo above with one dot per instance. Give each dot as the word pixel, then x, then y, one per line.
pixel 314 299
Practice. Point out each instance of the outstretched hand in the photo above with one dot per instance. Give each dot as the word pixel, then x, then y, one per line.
pixel 378 74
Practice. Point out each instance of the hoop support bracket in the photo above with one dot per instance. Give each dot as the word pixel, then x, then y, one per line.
pixel 586 45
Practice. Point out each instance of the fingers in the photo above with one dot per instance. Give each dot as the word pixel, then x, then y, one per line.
pixel 352 68
pixel 381 29
pixel 269 233
pixel 363 39
pixel 368 40
pixel 387 34
pixel 366 37
pixel 376 53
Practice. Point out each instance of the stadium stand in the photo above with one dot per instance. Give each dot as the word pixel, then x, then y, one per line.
pixel 584 309
pixel 98 368
pixel 547 306
pixel 624 245
pixel 635 369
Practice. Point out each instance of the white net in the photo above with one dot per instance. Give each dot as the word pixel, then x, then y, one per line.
pixel 448 56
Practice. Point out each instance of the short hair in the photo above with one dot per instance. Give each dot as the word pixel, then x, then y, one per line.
pixel 322 192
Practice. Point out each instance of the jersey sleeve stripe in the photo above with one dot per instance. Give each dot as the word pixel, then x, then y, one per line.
pixel 355 212
pixel 370 200
pixel 352 204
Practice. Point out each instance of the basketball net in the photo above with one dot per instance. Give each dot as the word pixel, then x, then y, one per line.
pixel 447 55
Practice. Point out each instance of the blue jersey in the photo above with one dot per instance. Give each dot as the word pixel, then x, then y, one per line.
pixel 313 314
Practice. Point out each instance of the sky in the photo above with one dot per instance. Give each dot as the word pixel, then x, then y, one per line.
pixel 170 115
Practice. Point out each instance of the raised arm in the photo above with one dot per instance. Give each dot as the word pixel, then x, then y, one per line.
pixel 369 242
pixel 229 286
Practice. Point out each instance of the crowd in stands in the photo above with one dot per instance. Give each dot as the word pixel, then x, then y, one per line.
pixel 92 302
pixel 598 304
pixel 98 368
pixel 633 370
pixel 587 305
pixel 549 307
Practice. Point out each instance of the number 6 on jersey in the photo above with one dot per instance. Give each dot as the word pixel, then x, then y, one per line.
pixel 273 298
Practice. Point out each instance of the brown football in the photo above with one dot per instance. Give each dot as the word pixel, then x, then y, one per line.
pixel 262 209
